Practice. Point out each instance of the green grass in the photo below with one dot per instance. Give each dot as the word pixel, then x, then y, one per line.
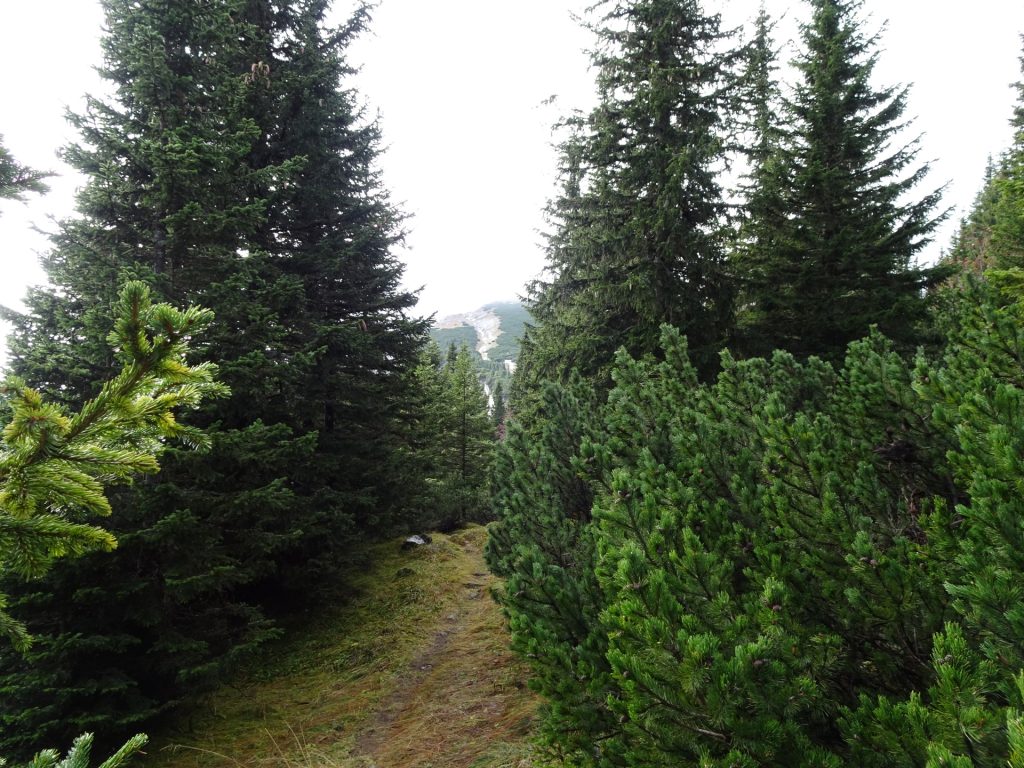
pixel 413 672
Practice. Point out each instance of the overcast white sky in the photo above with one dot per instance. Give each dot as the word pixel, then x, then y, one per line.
pixel 459 85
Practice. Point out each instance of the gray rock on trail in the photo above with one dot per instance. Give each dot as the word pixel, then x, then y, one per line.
pixel 416 540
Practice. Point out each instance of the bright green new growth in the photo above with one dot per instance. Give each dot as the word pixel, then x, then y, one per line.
pixel 54 465
pixel 78 755
pixel 795 565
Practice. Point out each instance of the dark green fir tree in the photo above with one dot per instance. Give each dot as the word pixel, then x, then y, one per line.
pixel 17 180
pixel 1008 227
pixel 992 234
pixel 761 189
pixel 231 167
pixel 332 233
pixel 452 441
pixel 971 249
pixel 465 444
pixel 638 235
pixel 835 252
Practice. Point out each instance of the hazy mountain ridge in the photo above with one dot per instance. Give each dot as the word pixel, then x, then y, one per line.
pixel 492 332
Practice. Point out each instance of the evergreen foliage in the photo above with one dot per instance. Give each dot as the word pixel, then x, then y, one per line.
pixel 1008 223
pixel 457 440
pixel 53 466
pixel 16 179
pixel 543 546
pixel 233 168
pixel 792 566
pixel 992 234
pixel 830 239
pixel 78 755
pixel 59 464
pixel 637 237
pixel 331 231
pixel 971 246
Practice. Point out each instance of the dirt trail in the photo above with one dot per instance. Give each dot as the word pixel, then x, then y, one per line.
pixel 460 695
pixel 413 672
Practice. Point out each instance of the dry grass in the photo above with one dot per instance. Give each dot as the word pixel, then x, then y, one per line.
pixel 415 673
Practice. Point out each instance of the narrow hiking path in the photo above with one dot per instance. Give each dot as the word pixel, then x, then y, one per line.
pixel 456 698
pixel 413 673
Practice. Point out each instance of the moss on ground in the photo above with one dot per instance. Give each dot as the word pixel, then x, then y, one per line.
pixel 414 672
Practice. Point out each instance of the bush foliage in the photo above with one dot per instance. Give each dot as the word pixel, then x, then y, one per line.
pixel 795 565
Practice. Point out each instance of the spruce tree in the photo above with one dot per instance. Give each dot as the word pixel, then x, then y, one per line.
pixel 332 233
pixel 16 180
pixel 1008 224
pixel 121 637
pixel 992 234
pixel 452 441
pixel 971 248
pixel 638 238
pixel 465 443
pixel 761 189
pixel 228 168
pixel 837 255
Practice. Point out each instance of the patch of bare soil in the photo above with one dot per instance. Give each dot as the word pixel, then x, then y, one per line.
pixel 460 695
pixel 414 673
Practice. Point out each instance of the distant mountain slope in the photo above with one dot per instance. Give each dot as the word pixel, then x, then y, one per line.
pixel 492 333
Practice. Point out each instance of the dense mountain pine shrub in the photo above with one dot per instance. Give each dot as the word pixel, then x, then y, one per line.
pixel 795 565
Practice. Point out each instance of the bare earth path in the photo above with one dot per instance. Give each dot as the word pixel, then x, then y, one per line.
pixel 416 673
pixel 456 695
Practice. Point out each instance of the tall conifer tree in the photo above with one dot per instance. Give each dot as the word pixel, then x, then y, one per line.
pixel 838 254
pixel 638 237
pixel 992 234
pixel 16 179
pixel 332 233
pixel 231 169
pixel 1008 224
pixel 763 199
pixel 972 245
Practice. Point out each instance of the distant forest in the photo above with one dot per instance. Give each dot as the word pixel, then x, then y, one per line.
pixel 513 318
